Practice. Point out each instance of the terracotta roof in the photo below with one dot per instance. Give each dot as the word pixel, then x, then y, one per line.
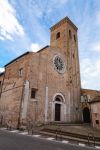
pixel 96 99
pixel 66 19
pixel 83 91
pixel 88 90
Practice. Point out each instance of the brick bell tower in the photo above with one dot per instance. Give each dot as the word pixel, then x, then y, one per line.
pixel 64 36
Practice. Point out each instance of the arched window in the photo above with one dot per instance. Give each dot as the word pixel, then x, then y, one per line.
pixel 70 34
pixel 58 35
pixel 58 99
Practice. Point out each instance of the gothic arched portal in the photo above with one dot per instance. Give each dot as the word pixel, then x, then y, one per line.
pixel 58 107
pixel 86 115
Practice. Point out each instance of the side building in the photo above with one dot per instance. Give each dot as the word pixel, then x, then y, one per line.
pixel 90 100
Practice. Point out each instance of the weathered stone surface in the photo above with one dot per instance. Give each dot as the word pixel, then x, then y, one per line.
pixel 39 70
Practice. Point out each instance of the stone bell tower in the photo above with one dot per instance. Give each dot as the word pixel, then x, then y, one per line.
pixel 64 36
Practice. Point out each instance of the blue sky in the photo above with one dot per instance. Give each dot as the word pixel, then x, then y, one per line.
pixel 24 26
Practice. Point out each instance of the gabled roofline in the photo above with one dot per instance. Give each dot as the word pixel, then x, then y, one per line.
pixel 17 58
pixel 43 48
pixel 25 54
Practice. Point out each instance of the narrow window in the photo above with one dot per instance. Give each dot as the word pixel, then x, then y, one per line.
pixel 70 81
pixel 14 83
pixel 0 83
pixel 74 38
pixel 58 35
pixel 20 72
pixel 97 121
pixel 33 93
pixel 70 34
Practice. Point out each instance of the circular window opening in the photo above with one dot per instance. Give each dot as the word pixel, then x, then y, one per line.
pixel 59 64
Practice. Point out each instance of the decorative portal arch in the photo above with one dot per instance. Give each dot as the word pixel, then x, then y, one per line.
pixel 86 115
pixel 58 107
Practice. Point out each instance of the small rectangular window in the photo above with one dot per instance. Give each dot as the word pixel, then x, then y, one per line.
pixel 97 121
pixel 20 72
pixel 74 38
pixel 58 35
pixel 70 34
pixel 33 93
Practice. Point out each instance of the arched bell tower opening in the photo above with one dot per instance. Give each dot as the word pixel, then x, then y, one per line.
pixel 58 107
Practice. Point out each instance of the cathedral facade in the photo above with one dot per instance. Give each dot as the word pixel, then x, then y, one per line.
pixel 44 86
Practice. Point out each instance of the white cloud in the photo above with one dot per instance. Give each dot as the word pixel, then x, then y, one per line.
pixel 98 65
pixel 57 3
pixel 2 70
pixel 98 17
pixel 84 83
pixel 96 47
pixel 34 47
pixel 2 38
pixel 50 6
pixel 9 25
pixel 90 73
pixel 90 68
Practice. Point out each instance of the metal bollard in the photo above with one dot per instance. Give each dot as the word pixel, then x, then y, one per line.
pixel 60 135
pixel 56 135
pixel 28 131
pixel 88 139
pixel 32 131
pixel 94 140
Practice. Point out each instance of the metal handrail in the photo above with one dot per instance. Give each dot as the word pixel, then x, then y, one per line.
pixel 91 137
